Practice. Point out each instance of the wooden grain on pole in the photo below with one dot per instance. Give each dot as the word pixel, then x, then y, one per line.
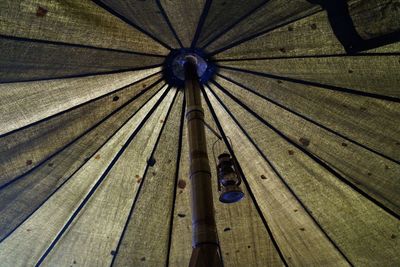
pixel 205 240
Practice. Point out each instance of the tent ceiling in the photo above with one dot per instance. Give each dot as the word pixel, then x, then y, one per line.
pixel 94 150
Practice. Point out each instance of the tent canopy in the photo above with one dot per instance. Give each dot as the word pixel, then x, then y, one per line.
pixel 94 149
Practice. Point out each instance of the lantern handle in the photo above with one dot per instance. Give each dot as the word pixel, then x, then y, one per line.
pixel 234 161
pixel 233 158
pixel 213 147
pixel 216 164
pixel 212 130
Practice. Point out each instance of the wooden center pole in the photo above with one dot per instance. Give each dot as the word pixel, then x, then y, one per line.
pixel 205 241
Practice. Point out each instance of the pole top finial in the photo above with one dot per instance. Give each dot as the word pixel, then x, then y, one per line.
pixel 175 69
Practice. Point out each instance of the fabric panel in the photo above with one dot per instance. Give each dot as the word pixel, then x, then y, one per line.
pixel 94 235
pixel 373 174
pixel 356 117
pixel 24 61
pixel 361 229
pixel 371 74
pixel 306 37
pixel 28 243
pixel 22 104
pixel 76 22
pixel 149 238
pixel 272 15
pixel 299 238
pixel 184 17
pixel 181 236
pixel 24 195
pixel 145 15
pixel 311 36
pixel 244 239
pixel 25 149
pixel 223 14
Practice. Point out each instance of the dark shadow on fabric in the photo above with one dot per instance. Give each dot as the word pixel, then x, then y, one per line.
pixel 343 27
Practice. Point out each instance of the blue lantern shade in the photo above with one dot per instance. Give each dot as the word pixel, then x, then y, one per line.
pixel 231 196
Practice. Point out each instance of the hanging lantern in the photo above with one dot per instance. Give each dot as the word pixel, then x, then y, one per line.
pixel 228 176
pixel 228 179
